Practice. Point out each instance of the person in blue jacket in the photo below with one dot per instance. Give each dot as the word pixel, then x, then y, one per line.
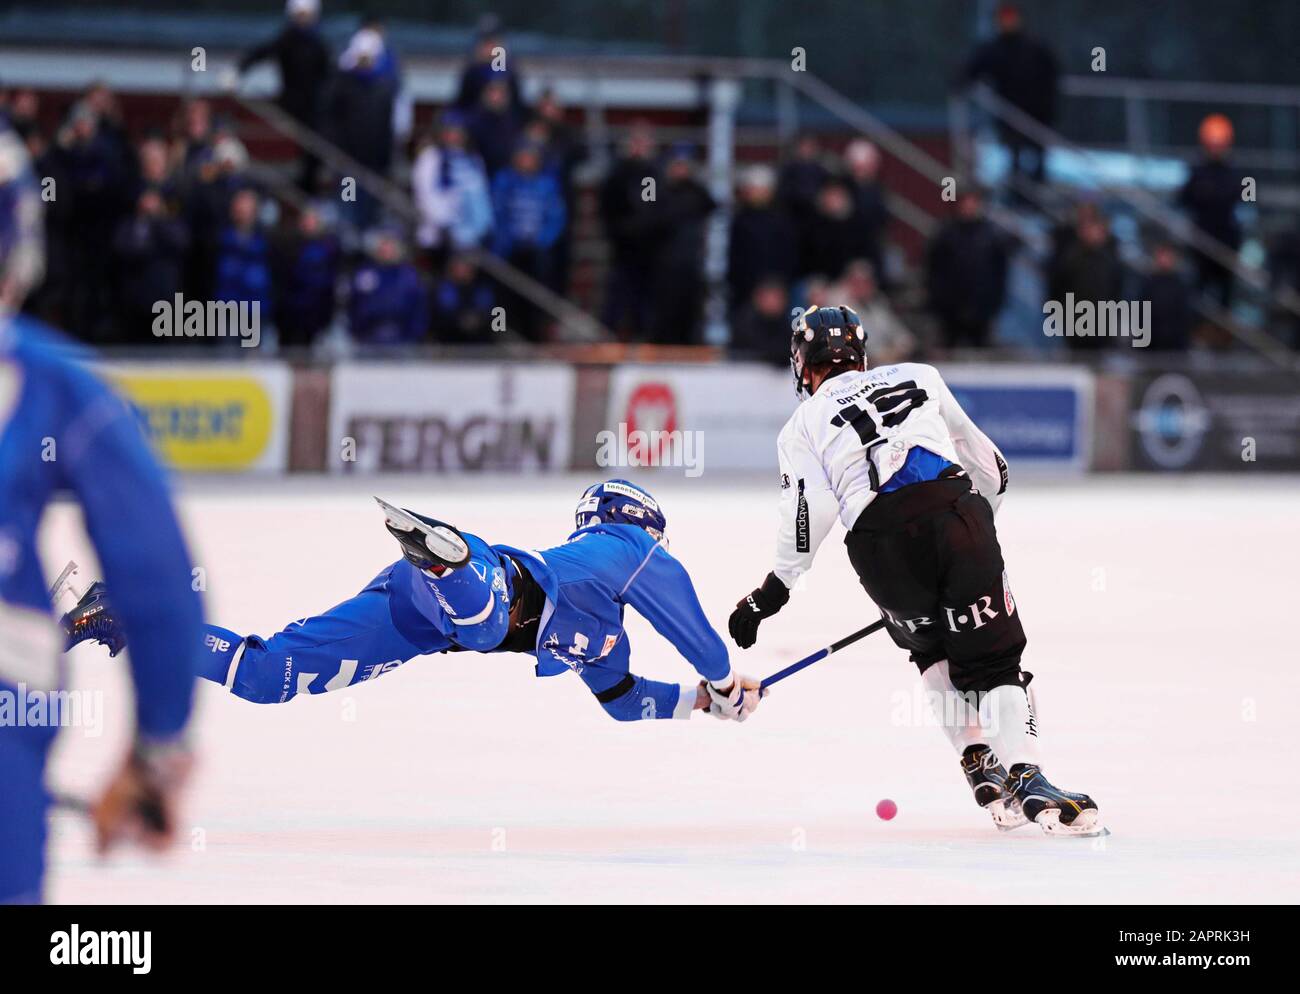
pixel 452 591
pixel 61 429
pixel 387 302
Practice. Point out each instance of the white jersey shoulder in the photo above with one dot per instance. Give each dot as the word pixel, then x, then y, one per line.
pixel 843 444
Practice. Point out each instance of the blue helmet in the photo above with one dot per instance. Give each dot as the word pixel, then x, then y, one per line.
pixel 22 246
pixel 622 503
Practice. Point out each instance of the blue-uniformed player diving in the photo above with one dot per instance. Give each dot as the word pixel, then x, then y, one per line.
pixel 63 430
pixel 453 591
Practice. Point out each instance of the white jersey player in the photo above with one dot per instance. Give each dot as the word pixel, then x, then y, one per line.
pixel 916 483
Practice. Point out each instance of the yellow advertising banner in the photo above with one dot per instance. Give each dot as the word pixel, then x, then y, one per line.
pixel 222 418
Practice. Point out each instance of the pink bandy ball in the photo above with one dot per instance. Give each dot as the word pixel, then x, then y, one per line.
pixel 886 809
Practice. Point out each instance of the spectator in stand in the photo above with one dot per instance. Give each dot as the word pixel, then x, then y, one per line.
pixel 194 134
pixel 684 207
pixel 108 110
pixel 205 208
pixel 1211 196
pixel 761 328
pixel 360 116
pixel 802 176
pixel 451 193
pixel 303 59
pixel 799 182
pixel 387 304
pixel 244 256
pixel 97 187
pixel 305 265
pixel 1024 73
pixel 495 126
pixel 888 339
pixel 23 111
pixel 154 170
pixel 48 301
pixel 632 223
pixel 562 156
pixel 148 253
pixel 529 211
pixel 462 304
pixel 833 237
pixel 1284 278
pixel 1170 297
pixel 489 61
pixel 1090 269
pixel 966 273
pixel 763 241
pixel 870 215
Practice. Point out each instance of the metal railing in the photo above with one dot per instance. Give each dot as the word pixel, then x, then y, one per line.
pixel 1154 210
pixel 576 323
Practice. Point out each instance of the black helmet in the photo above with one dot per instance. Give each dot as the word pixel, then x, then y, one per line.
pixel 825 335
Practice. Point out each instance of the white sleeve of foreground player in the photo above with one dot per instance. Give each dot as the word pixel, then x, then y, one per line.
pixel 975 451
pixel 808 505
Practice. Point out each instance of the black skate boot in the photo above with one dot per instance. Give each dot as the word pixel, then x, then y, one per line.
pixel 988 781
pixel 427 543
pixel 1055 811
pixel 93 618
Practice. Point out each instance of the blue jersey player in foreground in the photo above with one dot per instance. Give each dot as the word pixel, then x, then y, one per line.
pixel 61 429
pixel 452 591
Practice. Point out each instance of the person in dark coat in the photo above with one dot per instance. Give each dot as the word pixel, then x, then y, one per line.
pixel 800 181
pixel 1089 268
pixel 463 301
pixel 685 206
pixel 97 188
pixel 633 225
pixel 761 328
pixel 388 304
pixel 495 126
pixel 305 264
pixel 1024 73
pixel 360 116
pixel 870 215
pixel 833 238
pixel 303 59
pixel 966 273
pixel 1210 196
pixel 763 241
pixel 1170 297
pixel 489 61
pixel 148 254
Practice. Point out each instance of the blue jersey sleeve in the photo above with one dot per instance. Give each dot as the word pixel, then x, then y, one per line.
pixel 628 697
pixel 661 591
pixel 106 462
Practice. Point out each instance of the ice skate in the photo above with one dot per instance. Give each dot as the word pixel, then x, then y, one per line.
pixel 988 781
pixel 1055 811
pixel 427 543
pixel 93 618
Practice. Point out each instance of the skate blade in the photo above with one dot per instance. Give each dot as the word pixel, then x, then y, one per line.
pixel 441 541
pixel 63 583
pixel 1087 826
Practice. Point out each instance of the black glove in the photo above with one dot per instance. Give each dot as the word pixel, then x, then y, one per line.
pixel 762 603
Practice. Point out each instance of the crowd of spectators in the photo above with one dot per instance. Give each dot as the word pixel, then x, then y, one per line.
pixel 141 216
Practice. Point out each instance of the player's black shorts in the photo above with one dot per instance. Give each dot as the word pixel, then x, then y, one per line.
pixel 928 555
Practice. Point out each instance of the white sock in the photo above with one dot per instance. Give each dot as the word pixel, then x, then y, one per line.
pixel 952 709
pixel 1008 715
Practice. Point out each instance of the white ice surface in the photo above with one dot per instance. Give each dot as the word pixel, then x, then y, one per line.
pixel 1161 617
